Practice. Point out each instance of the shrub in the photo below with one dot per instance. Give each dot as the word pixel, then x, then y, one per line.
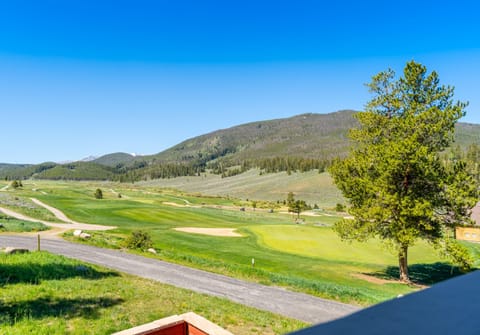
pixel 139 239
pixel 16 184
pixel 98 194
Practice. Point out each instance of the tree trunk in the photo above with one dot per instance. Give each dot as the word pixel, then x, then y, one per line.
pixel 403 264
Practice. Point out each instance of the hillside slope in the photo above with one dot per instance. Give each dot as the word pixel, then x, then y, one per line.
pixel 318 136
pixel 466 134
pixel 5 168
pixel 313 187
pixel 305 136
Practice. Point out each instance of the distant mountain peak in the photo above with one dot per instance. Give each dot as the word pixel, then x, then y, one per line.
pixel 89 158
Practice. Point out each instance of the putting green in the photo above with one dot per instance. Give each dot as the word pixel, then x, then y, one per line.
pixel 321 242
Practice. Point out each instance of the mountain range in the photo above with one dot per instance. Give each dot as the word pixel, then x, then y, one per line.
pixel 305 136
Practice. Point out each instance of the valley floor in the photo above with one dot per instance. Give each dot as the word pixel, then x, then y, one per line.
pixel 306 257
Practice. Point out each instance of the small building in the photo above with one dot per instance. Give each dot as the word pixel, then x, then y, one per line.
pixel 472 233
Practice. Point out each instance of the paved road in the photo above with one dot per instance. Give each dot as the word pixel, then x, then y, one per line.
pixel 295 305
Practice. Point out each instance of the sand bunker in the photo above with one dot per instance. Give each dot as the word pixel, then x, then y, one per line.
pixel 225 232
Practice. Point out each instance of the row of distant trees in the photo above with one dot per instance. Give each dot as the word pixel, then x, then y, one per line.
pixel 145 170
pixel 267 165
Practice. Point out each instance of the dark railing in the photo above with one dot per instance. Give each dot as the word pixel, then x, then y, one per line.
pixel 448 308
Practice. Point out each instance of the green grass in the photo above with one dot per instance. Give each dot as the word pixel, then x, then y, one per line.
pixel 14 225
pixel 308 258
pixel 298 240
pixel 46 294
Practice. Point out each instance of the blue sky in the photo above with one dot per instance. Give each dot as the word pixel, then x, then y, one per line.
pixel 81 78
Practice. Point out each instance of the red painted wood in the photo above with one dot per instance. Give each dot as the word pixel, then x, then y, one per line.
pixel 179 329
pixel 194 331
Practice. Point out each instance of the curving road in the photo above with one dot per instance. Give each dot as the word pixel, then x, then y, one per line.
pixel 295 305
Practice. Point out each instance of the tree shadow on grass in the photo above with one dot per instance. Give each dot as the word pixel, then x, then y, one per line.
pixel 88 308
pixel 422 274
pixel 33 273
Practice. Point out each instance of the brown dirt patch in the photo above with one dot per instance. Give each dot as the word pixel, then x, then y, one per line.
pixel 174 204
pixel 380 281
pixel 373 279
pixel 223 232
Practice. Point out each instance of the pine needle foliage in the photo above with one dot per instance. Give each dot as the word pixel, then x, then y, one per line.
pixel 400 189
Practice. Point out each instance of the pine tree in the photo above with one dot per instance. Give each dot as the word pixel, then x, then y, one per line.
pixel 398 187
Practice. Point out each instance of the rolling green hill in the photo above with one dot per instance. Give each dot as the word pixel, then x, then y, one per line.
pixel 5 168
pixel 54 171
pixel 77 171
pixel 115 159
pixel 25 171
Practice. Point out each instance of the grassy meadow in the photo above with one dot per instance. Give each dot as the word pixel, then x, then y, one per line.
pixel 307 257
pixel 41 293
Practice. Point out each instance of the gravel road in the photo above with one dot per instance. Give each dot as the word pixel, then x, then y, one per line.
pixel 295 305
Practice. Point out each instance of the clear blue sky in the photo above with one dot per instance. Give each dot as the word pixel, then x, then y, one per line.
pixel 81 78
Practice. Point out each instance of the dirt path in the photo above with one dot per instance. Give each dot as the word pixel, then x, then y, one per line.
pixel 4 188
pixel 277 300
pixel 61 227
pixel 373 279
pixel 37 190
pixel 58 213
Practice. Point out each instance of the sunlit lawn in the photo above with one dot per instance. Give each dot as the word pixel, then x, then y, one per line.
pixel 309 257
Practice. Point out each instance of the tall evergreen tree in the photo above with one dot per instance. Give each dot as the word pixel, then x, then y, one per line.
pixel 398 187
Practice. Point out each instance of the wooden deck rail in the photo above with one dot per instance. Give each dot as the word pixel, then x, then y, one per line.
pixel 185 324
